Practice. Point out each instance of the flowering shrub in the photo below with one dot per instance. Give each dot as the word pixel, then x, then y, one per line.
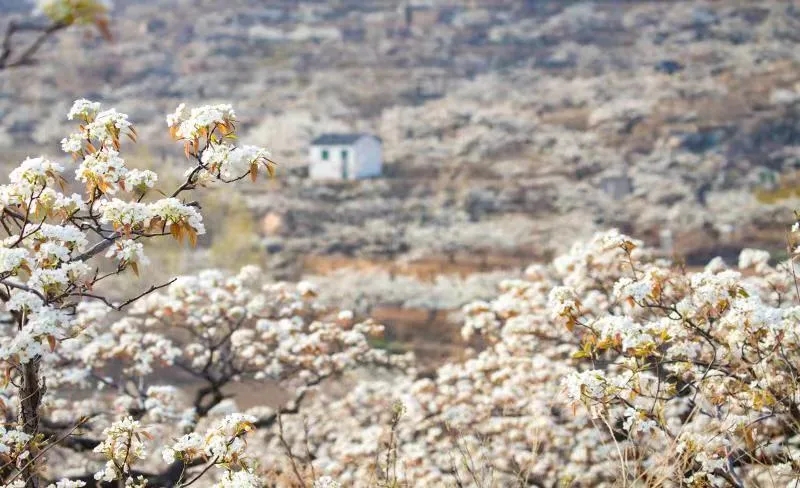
pixel 606 367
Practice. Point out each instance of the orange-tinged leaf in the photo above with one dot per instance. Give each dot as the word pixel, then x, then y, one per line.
pixel 253 172
pixel 135 268
pixel 177 232
pixel 52 342
pixel 192 236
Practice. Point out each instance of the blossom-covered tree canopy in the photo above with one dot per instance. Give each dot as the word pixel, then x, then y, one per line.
pixel 58 248
pixel 607 367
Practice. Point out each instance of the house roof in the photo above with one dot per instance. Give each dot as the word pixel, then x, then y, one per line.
pixel 334 139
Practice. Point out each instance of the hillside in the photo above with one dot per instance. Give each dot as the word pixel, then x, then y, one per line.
pixel 510 129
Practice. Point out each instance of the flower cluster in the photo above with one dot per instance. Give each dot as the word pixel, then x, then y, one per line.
pixel 201 121
pixel 13 443
pixel 223 443
pixel 44 328
pixel 129 252
pixel 180 218
pixel 228 161
pixel 99 129
pixel 122 447
pixel 168 214
pixel 239 479
pixel 103 170
pixel 207 133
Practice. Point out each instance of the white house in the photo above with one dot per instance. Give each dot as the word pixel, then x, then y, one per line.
pixel 345 157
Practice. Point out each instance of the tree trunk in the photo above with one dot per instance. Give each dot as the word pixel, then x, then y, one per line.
pixel 30 398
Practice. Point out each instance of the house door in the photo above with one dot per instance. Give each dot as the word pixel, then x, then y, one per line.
pixel 345 164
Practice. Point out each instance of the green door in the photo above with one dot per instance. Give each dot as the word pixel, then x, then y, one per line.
pixel 345 164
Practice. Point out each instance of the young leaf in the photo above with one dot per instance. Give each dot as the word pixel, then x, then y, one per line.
pixel 192 236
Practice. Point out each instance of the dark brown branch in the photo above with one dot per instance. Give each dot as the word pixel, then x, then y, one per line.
pixel 25 58
pixel 124 304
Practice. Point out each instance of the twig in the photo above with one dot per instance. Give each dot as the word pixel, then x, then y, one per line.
pixel 308 450
pixel 202 473
pixel 129 301
pixel 289 453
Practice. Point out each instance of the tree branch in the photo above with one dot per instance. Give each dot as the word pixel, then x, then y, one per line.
pixel 124 304
pixel 24 58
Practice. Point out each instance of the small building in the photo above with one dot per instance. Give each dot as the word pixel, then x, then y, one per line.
pixel 345 157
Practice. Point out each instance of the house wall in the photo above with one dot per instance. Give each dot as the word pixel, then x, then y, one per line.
pixel 331 169
pixel 364 160
pixel 369 157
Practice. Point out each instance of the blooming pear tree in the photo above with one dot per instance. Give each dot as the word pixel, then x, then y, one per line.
pixel 698 370
pixel 59 248
pixel 606 367
pixel 215 330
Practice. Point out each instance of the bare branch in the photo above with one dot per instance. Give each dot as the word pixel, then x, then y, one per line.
pixel 25 58
pixel 124 304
